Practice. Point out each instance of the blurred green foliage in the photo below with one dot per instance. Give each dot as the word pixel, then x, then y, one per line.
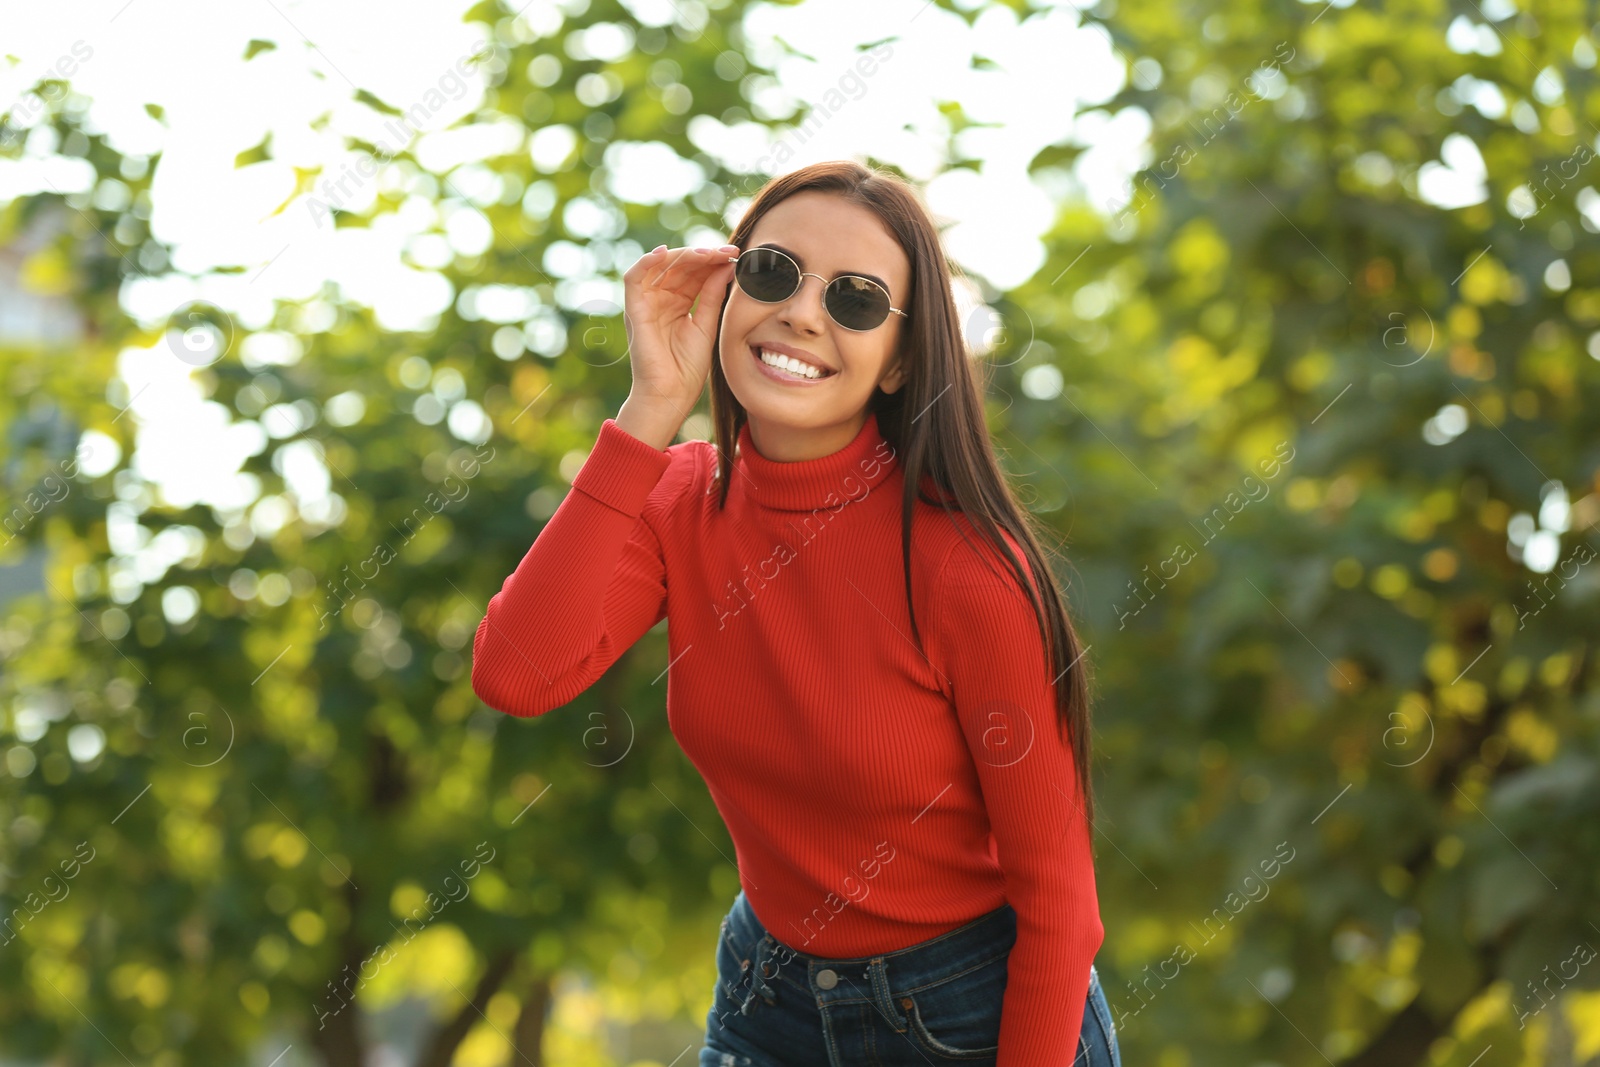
pixel 1305 436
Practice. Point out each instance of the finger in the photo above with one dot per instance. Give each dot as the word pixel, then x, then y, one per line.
pixel 662 269
pixel 686 274
pixel 647 261
pixel 657 262
pixel 650 266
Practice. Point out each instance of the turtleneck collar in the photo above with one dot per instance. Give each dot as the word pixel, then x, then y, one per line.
pixel 808 484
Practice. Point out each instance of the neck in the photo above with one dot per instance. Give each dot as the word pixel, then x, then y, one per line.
pixel 832 470
pixel 790 444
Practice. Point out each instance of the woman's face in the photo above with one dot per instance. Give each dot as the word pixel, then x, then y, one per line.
pixel 796 419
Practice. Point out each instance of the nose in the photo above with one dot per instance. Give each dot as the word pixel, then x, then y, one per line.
pixel 803 312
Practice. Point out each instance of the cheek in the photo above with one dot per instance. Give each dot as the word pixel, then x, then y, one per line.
pixel 869 356
pixel 737 319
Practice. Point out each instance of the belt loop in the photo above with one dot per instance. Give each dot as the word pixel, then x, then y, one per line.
pixel 758 975
pixel 878 971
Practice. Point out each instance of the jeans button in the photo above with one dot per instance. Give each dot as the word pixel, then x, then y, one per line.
pixel 827 979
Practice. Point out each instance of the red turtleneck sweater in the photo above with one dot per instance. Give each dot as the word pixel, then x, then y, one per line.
pixel 875 798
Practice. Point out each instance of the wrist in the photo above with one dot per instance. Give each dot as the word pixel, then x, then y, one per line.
pixel 654 423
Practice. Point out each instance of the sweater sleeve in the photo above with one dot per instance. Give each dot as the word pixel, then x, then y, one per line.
pixel 993 662
pixel 592 583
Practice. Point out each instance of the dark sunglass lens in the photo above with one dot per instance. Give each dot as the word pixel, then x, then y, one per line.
pixel 857 304
pixel 766 275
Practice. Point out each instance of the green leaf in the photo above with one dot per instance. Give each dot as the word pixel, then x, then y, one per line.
pixel 1504 888
pixel 1565 779
pixel 375 103
pixel 255 154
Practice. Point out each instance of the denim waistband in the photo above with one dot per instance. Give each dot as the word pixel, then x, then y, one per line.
pixel 834 980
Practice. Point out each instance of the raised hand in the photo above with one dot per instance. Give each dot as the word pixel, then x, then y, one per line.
pixel 670 349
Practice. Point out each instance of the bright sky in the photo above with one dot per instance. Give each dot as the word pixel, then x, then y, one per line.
pixel 187 58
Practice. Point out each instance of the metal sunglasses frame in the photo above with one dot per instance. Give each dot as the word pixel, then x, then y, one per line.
pixel 802 280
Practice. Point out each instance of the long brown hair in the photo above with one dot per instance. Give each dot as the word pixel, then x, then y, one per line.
pixel 947 445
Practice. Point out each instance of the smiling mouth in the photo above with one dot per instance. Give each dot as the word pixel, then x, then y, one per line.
pixel 799 370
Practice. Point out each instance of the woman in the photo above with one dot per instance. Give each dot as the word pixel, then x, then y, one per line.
pixel 889 713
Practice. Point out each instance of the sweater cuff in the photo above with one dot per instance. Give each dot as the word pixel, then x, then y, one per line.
pixel 621 470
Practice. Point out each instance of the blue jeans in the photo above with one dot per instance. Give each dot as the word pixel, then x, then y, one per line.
pixel 936 1002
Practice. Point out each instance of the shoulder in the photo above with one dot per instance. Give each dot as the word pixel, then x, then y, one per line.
pixel 962 584
pixel 978 616
pixel 957 557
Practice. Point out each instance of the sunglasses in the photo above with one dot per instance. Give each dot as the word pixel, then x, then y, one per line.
pixel 857 304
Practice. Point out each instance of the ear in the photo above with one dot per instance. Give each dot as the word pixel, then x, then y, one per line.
pixel 896 377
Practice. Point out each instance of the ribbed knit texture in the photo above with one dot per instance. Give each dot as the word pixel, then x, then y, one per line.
pixel 875 798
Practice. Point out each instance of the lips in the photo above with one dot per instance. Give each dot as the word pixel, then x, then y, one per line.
pixel 793 353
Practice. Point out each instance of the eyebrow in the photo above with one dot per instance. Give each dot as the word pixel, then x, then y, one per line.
pixel 796 257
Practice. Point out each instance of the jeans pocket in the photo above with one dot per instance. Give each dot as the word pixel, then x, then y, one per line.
pixel 724 1042
pixel 958 1017
pixel 1102 1012
pixel 745 971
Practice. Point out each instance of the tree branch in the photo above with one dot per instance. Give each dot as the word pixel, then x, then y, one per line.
pixel 442 1049
pixel 527 1040
pixel 1411 1032
pixel 335 1032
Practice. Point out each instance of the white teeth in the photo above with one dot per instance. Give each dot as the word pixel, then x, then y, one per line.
pixel 790 364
